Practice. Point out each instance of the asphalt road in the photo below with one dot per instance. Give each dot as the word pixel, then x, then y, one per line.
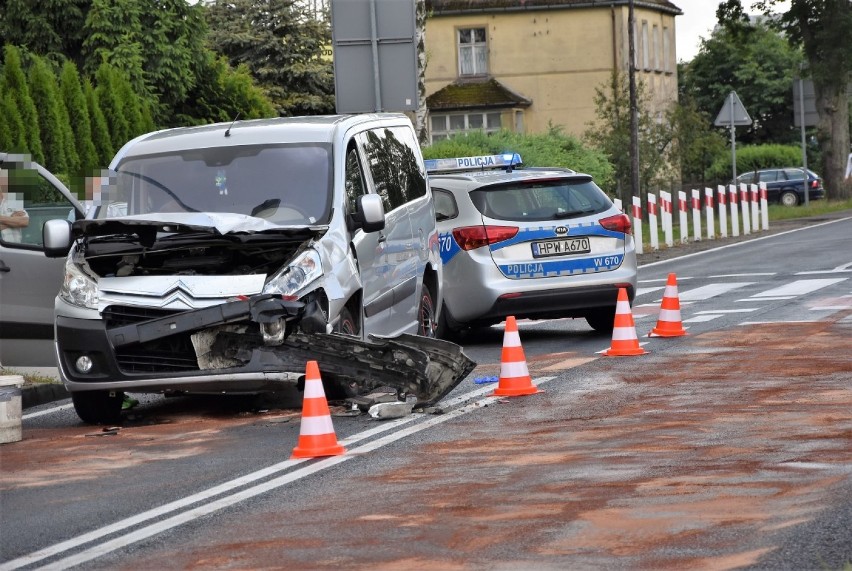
pixel 730 447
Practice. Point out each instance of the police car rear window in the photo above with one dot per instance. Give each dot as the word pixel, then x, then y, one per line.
pixel 541 200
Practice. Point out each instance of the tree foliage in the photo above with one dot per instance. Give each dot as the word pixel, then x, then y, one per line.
pixel 78 116
pixel 757 63
pixel 15 83
pixel 59 153
pixel 280 43
pixel 45 28
pixel 611 134
pixel 550 149
pixel 822 28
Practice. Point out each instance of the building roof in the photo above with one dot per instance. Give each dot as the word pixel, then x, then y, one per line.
pixel 450 7
pixel 475 93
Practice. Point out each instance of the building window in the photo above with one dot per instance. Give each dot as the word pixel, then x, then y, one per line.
pixel 473 51
pixel 637 45
pixel 646 56
pixel 656 45
pixel 444 125
pixel 666 48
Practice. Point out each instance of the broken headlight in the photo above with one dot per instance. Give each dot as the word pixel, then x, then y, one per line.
pixel 296 276
pixel 78 288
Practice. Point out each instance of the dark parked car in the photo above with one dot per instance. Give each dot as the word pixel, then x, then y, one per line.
pixel 785 185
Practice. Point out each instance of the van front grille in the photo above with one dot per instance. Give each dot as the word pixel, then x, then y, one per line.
pixel 171 354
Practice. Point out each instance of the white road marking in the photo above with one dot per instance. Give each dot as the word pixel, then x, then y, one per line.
pixel 645 290
pixel 743 310
pixel 753 299
pixel 46 411
pixel 701 318
pixel 663 280
pixel 779 322
pixel 798 287
pixel 817 272
pixel 710 291
pixel 737 244
pixel 742 275
pixel 231 499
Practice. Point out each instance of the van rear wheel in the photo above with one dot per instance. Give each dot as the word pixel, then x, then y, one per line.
pixel 98 407
pixel 427 321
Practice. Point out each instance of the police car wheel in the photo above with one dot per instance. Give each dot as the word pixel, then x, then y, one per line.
pixel 602 320
pixel 98 407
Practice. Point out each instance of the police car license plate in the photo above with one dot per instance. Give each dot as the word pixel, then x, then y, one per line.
pixel 561 247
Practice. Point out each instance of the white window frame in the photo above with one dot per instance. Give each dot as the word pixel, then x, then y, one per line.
pixel 646 56
pixel 476 49
pixel 447 131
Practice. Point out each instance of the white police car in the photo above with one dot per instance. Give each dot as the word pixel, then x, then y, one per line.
pixel 537 243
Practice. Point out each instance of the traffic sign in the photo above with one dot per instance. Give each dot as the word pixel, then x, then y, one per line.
pixel 733 112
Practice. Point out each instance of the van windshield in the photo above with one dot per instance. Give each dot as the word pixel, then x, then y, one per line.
pixel 284 184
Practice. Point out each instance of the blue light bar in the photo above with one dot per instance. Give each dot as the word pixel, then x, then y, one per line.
pixel 504 160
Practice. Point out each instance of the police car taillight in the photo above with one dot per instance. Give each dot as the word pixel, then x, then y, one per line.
pixel 472 237
pixel 617 223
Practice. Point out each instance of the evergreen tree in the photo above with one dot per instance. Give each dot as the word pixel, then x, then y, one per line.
pixel 45 28
pixel 113 31
pixel 78 114
pixel 15 83
pixel 280 41
pixel 53 124
pixel 13 136
pixel 107 90
pixel 223 93
pixel 100 130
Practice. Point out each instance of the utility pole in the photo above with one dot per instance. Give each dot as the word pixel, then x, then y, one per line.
pixel 634 111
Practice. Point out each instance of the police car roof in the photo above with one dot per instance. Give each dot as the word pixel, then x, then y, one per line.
pixel 470 180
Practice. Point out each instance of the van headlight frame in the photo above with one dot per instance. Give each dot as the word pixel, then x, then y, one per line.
pixel 78 287
pixel 296 276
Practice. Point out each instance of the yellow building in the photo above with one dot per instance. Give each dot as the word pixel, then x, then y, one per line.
pixel 521 64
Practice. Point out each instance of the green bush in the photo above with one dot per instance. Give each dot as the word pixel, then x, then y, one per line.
pixel 550 149
pixel 756 157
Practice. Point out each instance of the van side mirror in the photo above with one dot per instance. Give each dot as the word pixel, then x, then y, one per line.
pixel 371 213
pixel 56 235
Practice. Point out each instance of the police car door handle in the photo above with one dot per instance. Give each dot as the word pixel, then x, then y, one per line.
pixel 4 267
pixel 382 238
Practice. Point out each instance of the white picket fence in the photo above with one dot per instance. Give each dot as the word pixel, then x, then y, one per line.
pixel 748 203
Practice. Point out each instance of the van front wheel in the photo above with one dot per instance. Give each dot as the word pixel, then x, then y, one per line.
pixel 427 321
pixel 98 407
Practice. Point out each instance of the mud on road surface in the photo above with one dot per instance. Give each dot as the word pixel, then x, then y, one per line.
pixel 694 461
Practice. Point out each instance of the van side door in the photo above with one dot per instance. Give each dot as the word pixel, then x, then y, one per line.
pixel 29 280
pixel 385 155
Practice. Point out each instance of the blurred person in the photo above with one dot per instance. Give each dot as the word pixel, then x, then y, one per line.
pixel 12 219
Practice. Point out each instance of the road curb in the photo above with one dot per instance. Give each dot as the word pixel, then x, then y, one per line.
pixel 43 393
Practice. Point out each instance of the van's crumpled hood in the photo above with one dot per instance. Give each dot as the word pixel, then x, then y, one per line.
pixel 214 222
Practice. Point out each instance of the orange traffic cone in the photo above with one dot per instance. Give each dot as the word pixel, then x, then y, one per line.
pixel 669 323
pixel 316 435
pixel 515 378
pixel 624 340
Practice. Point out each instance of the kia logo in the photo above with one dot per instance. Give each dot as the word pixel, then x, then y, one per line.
pixel 561 230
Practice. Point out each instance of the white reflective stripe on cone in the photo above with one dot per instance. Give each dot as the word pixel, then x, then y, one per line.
pixel 313 389
pixel 514 369
pixel 669 315
pixel 624 334
pixel 511 339
pixel 316 425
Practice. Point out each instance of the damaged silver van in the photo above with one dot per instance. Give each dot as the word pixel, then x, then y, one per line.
pixel 220 258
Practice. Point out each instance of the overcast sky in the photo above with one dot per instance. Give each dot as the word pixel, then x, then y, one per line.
pixel 698 21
